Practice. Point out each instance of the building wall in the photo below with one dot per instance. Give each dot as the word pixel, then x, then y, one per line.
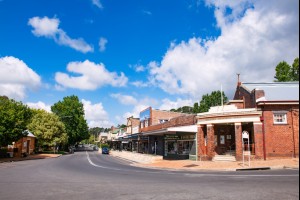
pixel 183 120
pixel 281 140
pixel 243 94
pixel 157 115
pixel 22 148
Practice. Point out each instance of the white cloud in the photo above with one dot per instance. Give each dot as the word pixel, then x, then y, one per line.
pixel 92 76
pixel 102 44
pixel 39 105
pixel 124 99
pixel 167 104
pixel 16 78
pixel 44 26
pixel 95 114
pixel 139 84
pixel 49 27
pixel 97 3
pixel 139 105
pixel 254 39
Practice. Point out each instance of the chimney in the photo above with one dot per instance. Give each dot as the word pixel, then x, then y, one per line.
pixel 239 82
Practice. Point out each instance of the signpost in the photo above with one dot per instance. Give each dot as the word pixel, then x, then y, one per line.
pixel 245 135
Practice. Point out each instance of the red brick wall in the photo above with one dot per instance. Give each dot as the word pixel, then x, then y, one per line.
pixel 184 120
pixel 281 140
pixel 156 115
pixel 248 97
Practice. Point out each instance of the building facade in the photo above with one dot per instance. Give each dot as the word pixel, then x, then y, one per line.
pixel 262 121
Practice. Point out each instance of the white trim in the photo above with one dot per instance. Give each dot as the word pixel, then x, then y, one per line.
pixel 224 120
pixel 188 129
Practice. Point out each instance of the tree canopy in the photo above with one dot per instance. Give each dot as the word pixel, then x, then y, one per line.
pixel 285 72
pixel 14 117
pixel 48 129
pixel 71 113
pixel 210 100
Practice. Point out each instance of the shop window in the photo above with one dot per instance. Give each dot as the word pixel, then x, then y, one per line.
pixel 184 147
pixel 162 121
pixel 172 147
pixel 279 118
pixel 146 123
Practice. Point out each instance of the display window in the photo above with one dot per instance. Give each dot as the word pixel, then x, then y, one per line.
pixel 184 147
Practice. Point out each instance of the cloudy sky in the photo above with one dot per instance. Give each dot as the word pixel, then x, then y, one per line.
pixel 121 56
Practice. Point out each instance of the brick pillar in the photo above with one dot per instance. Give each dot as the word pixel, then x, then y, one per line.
pixel 210 141
pixel 238 141
pixel 258 140
pixel 200 142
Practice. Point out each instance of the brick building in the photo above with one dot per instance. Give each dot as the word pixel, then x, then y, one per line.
pixel 25 145
pixel 265 114
pixel 169 134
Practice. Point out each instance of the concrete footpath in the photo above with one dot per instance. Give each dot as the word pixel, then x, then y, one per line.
pixel 153 161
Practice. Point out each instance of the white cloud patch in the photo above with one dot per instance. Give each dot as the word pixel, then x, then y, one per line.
pixel 139 84
pixel 97 3
pixel 16 78
pixel 95 114
pixel 39 105
pixel 49 28
pixel 102 44
pixel 167 104
pixel 91 76
pixel 124 99
pixel 255 37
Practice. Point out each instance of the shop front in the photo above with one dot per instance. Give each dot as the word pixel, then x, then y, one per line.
pixel 179 146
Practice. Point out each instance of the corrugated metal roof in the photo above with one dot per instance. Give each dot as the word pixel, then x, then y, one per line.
pixel 276 91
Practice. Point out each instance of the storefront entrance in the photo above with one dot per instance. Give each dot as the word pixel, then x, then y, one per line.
pixel 224 139
pixel 179 146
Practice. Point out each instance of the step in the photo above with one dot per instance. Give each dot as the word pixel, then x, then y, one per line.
pixel 224 158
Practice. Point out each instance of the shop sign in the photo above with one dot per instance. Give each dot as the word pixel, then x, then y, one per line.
pixel 172 137
pixel 179 137
pixel 144 137
pixel 187 137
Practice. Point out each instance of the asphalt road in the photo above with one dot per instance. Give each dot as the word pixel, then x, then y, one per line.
pixel 90 175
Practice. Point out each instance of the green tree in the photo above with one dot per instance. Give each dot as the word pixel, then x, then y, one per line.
pixel 213 99
pixel 285 72
pixel 196 108
pixel 71 113
pixel 14 117
pixel 48 129
pixel 295 70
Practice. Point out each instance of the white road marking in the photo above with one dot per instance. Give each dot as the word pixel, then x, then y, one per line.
pixel 193 174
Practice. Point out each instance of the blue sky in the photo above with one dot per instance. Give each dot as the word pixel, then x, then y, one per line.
pixel 121 56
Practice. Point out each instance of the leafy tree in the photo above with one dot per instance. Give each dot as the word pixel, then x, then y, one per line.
pixel 184 109
pixel 95 131
pixel 295 70
pixel 71 113
pixel 209 100
pixel 14 117
pixel 285 72
pixel 196 108
pixel 48 129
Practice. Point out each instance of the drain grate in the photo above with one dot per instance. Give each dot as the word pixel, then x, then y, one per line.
pixel 192 165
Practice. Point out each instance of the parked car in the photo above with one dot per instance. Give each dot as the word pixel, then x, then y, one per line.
pixel 105 150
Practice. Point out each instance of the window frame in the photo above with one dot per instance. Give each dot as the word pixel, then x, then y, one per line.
pixel 280 114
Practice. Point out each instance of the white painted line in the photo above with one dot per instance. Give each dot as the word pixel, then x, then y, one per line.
pixel 186 174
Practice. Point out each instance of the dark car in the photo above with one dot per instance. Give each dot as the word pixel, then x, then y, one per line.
pixel 105 150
